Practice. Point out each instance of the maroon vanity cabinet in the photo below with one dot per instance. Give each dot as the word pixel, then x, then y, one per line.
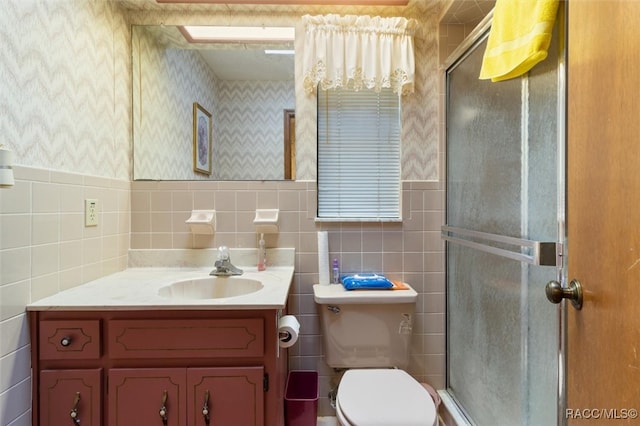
pixel 155 367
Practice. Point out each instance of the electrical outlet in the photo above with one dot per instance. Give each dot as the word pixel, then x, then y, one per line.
pixel 90 212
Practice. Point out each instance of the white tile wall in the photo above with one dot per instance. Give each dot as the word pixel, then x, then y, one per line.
pixel 44 248
pixel 411 251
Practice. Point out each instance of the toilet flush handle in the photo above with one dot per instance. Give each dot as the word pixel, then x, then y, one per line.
pixel 334 309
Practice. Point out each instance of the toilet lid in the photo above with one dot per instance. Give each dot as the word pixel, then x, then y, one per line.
pixel 383 397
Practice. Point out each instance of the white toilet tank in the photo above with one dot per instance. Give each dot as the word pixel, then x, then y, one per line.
pixel 365 328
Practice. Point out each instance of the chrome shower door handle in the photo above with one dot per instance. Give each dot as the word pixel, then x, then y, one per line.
pixel 555 293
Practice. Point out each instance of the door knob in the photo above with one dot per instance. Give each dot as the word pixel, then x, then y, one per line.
pixel 555 293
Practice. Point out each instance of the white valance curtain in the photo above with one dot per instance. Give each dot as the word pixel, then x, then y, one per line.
pixel 358 52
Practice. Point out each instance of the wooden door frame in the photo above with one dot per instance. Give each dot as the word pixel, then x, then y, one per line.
pixel 289 145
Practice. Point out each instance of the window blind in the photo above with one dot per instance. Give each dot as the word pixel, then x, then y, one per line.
pixel 358 155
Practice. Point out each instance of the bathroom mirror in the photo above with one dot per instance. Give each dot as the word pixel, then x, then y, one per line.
pixel 247 90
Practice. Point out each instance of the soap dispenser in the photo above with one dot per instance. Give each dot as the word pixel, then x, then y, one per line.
pixel 262 254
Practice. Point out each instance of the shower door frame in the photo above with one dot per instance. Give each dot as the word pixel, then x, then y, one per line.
pixel 476 37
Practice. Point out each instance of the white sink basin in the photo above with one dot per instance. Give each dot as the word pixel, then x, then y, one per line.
pixel 211 288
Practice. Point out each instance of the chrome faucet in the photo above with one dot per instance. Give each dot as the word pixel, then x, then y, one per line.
pixel 223 264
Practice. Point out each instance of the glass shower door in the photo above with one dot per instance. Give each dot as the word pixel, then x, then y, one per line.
pixel 504 234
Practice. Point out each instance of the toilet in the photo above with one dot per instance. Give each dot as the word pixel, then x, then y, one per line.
pixel 368 333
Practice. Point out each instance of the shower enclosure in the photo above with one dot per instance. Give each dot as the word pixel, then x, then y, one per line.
pixel 505 237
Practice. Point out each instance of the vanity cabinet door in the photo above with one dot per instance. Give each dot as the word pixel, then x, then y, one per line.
pixel 69 397
pixel 147 396
pixel 216 396
pixel 222 396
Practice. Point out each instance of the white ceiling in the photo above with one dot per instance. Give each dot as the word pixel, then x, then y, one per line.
pixel 249 64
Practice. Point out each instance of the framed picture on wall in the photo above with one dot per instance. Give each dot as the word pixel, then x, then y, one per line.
pixel 201 139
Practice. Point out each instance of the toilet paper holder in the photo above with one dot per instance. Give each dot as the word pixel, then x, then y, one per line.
pixel 288 329
pixel 284 336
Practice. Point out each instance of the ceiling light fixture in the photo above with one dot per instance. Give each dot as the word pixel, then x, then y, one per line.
pixel 279 52
pixel 221 34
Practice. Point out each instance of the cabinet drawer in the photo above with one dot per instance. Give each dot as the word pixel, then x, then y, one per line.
pixel 189 338
pixel 69 339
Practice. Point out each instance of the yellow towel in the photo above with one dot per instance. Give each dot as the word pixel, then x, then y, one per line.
pixel 519 38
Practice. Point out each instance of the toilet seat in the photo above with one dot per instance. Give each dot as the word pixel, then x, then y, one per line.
pixel 383 397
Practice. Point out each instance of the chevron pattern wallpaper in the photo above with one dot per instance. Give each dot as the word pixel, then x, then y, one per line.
pixel 166 83
pixel 59 112
pixel 249 142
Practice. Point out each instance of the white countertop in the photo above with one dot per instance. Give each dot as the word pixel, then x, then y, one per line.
pixel 136 288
